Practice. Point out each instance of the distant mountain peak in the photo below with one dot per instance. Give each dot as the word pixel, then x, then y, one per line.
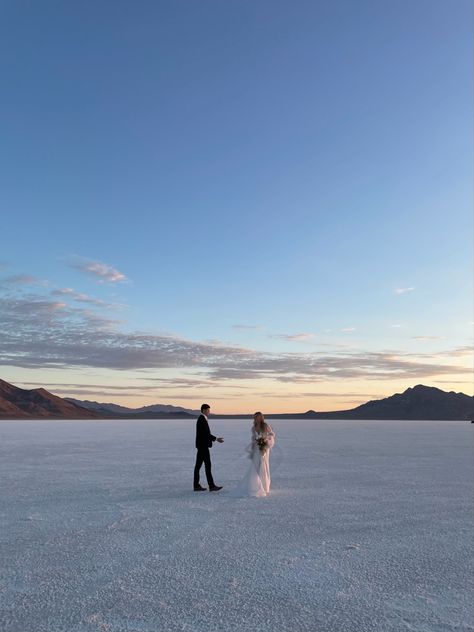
pixel 6 386
pixel 421 387
pixel 37 403
pixel 416 402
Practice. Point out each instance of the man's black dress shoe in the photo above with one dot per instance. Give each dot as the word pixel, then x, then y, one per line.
pixel 215 488
pixel 199 489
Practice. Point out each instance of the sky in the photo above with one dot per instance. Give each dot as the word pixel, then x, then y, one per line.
pixel 261 205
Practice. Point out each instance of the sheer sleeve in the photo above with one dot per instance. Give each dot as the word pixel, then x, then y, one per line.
pixel 270 436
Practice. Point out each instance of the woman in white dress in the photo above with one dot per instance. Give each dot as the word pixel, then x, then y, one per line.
pixel 256 481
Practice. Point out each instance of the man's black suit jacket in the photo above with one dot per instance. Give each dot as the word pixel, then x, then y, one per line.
pixel 204 438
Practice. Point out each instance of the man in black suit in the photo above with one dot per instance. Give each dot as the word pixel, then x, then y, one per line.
pixel 204 440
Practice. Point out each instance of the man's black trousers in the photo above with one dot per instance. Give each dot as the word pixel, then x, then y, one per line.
pixel 203 456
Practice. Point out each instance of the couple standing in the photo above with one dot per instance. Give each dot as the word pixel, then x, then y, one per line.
pixel 256 481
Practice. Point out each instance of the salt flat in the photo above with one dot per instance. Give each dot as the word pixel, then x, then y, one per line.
pixel 367 529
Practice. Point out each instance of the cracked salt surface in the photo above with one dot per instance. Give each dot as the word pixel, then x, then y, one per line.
pixel 367 529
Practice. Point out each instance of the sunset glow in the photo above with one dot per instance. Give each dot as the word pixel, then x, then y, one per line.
pixel 239 220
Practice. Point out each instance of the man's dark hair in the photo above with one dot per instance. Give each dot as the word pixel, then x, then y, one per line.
pixel 204 407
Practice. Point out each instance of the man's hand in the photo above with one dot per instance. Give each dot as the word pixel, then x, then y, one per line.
pixel 220 439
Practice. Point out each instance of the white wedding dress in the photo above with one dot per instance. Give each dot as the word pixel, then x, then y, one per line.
pixel 256 481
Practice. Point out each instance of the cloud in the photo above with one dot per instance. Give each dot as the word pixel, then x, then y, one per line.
pixel 35 309
pixel 101 271
pixel 158 390
pixel 427 337
pixel 350 396
pixel 25 317
pixel 455 352
pixel 197 383
pixel 91 387
pixel 458 352
pixel 293 337
pixel 453 382
pixel 335 345
pixel 87 393
pixel 79 297
pixel 36 332
pixel 347 329
pixel 246 327
pixel 404 290
pixel 396 326
pixel 22 279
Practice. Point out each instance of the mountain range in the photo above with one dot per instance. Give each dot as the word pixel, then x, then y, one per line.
pixel 19 403
pixel 418 402
pixel 123 410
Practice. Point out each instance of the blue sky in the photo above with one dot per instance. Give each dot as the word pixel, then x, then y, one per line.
pixel 263 175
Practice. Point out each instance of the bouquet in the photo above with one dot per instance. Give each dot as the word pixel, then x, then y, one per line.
pixel 262 443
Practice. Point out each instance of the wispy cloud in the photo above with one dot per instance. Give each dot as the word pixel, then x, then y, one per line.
pixel 348 329
pixel 189 383
pixel 33 308
pixel 455 352
pixel 305 394
pixel 404 290
pixel 79 297
pixel 102 272
pixel 453 382
pixel 246 327
pixel 35 315
pixel 107 392
pixel 458 352
pixel 22 279
pixel 427 338
pixel 302 337
pixel 112 387
pixel 396 326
